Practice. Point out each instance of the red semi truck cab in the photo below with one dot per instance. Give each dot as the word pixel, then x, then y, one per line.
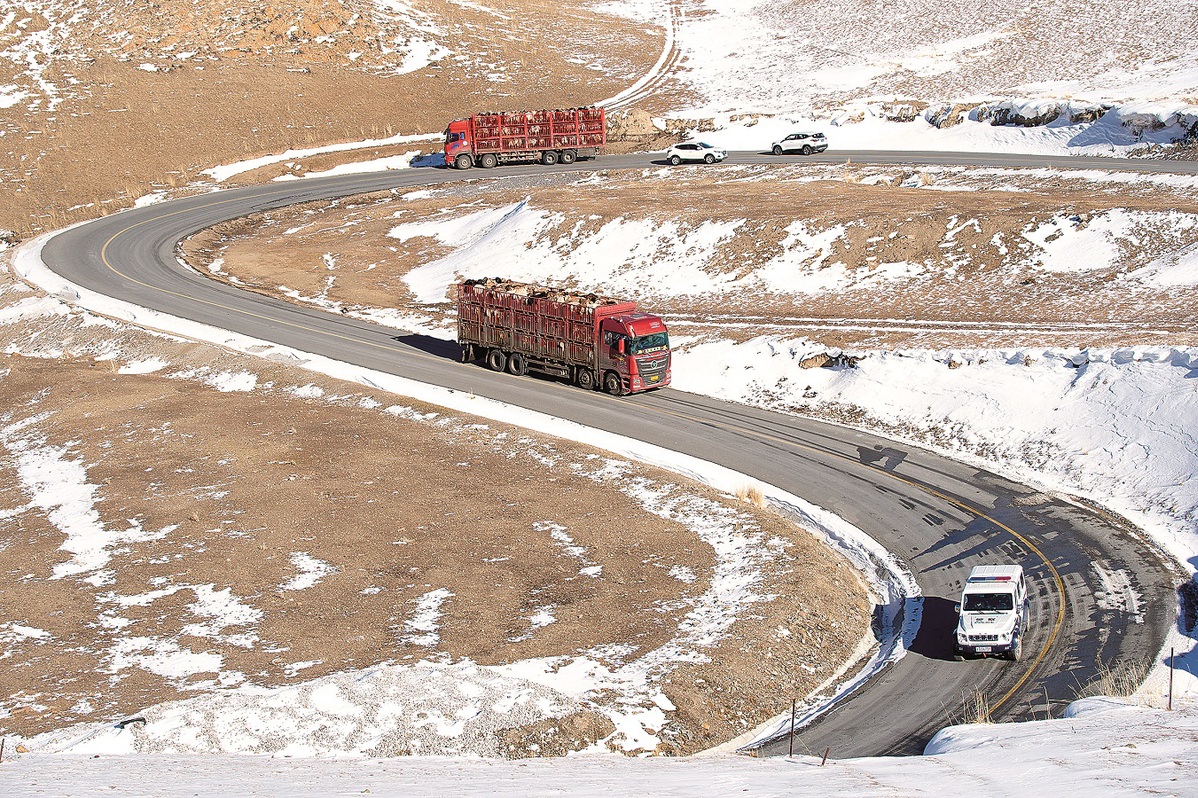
pixel 549 136
pixel 594 341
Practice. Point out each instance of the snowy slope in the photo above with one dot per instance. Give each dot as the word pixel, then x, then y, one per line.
pixel 1101 749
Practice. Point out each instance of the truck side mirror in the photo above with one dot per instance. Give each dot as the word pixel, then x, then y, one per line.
pixel 620 345
pixel 957 608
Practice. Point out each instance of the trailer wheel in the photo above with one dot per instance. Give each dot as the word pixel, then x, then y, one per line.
pixel 517 364
pixel 585 378
pixel 569 156
pixel 549 157
pixel 463 161
pixel 496 360
pixel 487 160
pixel 613 384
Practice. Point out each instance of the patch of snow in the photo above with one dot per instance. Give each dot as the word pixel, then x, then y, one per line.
pixel 421 628
pixel 311 571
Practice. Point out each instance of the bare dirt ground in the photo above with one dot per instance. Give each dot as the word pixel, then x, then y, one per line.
pixel 210 502
pixel 969 276
pixel 217 82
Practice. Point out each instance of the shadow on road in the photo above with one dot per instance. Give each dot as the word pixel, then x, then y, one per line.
pixel 881 457
pixel 438 347
pixel 435 160
pixel 935 637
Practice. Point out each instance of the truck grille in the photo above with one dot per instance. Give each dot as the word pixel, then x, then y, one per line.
pixel 653 369
pixel 983 638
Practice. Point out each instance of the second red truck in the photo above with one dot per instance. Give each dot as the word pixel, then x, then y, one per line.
pixel 548 136
pixel 593 341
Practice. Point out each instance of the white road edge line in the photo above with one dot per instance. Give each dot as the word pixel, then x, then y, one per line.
pixel 893 586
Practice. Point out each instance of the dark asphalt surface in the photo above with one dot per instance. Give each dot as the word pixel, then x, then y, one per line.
pixel 939 516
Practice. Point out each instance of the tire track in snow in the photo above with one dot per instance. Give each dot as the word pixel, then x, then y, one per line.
pixel 662 71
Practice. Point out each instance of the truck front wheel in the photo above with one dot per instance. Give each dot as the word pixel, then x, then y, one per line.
pixel 1016 649
pixel 496 360
pixel 517 364
pixel 613 384
pixel 463 162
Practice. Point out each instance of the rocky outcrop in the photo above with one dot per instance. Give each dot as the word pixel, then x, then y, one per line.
pixel 947 115
pixel 829 360
pixel 682 126
pixel 1036 113
pixel 1025 113
pixel 631 125
pixel 902 110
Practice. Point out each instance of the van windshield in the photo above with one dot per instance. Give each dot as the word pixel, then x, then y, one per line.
pixel 988 602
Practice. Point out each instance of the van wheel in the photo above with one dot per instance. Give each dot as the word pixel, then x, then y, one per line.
pixel 675 160
pixel 585 379
pixel 1016 649
pixel 496 360
pixel 777 149
pixel 569 156
pixel 517 364
pixel 709 158
pixel 806 149
pixel 613 384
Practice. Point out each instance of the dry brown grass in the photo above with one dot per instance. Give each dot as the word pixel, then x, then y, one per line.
pixel 121 132
pixel 751 494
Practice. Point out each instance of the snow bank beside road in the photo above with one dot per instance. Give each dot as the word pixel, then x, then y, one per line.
pixel 1104 748
pixel 1116 426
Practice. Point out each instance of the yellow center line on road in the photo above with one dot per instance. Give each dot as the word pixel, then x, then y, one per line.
pixel 964 506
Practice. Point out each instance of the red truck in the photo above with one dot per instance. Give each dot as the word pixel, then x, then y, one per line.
pixel 593 341
pixel 548 136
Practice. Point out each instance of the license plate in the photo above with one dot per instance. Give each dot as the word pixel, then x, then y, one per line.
pixel 983 649
pixel 655 378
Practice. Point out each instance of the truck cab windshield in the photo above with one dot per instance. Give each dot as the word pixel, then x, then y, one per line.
pixel 989 602
pixel 450 138
pixel 649 343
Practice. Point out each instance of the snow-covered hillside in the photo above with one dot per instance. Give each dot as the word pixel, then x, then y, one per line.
pixel 931 74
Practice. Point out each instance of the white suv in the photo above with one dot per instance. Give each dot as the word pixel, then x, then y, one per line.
pixel 993 613
pixel 806 143
pixel 694 151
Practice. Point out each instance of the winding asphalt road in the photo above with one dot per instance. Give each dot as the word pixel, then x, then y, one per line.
pixel 939 516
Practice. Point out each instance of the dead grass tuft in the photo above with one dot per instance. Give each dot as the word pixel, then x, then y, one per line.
pixel 751 494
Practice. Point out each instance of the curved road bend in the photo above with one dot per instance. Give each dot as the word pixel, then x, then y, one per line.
pixel 939 516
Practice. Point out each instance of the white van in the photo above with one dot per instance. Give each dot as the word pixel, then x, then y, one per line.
pixel 993 613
